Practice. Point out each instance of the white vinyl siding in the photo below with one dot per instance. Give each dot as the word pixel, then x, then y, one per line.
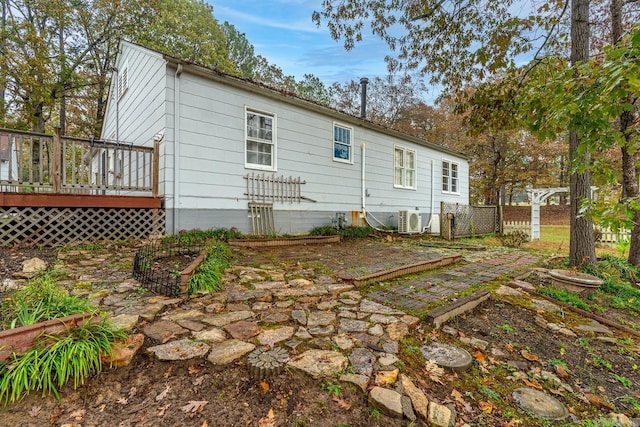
pixel 404 168
pixel 450 177
pixel 260 142
pixel 342 143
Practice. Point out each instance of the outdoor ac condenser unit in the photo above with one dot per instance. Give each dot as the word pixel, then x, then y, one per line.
pixel 409 222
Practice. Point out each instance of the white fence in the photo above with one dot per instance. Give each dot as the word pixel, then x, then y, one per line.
pixel 608 236
pixel 510 226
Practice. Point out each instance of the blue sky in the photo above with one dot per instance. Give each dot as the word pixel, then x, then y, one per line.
pixel 282 31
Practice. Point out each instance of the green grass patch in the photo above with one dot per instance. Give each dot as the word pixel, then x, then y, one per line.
pixel 564 296
pixel 208 276
pixel 41 299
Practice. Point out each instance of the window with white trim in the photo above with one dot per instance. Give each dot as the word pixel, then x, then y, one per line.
pixel 342 146
pixel 404 168
pixel 123 79
pixel 449 177
pixel 260 145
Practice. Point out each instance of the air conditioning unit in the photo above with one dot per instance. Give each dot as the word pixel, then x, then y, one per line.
pixel 409 222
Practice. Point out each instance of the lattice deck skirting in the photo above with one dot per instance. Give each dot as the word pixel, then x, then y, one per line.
pixel 50 226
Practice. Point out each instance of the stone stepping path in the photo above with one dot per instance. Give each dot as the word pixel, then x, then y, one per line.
pixel 417 294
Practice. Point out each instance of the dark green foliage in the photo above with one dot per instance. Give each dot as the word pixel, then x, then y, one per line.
pixel 349 231
pixel 325 230
pixel 619 279
pixel 208 276
pixel 57 359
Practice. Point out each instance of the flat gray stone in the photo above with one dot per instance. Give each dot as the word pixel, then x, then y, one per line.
pixel 338 288
pixel 475 342
pixel 303 334
pixel 388 401
pixel 361 381
pixel 265 286
pixel 362 361
pixel 192 325
pixel 390 347
pixel 595 327
pixel 226 318
pixel 183 314
pixel 275 316
pixel 261 306
pixel 322 331
pixel 228 351
pixel 346 314
pixel 343 342
pixel 540 403
pixel 242 330
pixel 387 359
pixel 149 311
pixel 383 319
pixel 300 283
pixel 284 304
pixel 163 330
pixel 407 408
pixel 546 305
pixel 327 305
pixel 125 321
pixel 212 335
pixel 350 325
pixel 311 291
pixel 369 306
pixel 184 349
pixel 320 318
pixel 376 330
pixel 448 356
pixel 319 363
pixel 397 330
pixel 270 337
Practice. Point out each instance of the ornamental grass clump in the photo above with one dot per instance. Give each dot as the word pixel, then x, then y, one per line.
pixel 41 299
pixel 57 359
pixel 208 276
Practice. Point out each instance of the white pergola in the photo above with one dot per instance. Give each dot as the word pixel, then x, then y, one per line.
pixel 539 195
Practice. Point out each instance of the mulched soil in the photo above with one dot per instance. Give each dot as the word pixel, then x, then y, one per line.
pixel 11 259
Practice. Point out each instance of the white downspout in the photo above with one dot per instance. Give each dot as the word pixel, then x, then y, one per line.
pixel 364 190
pixel 176 146
pixel 433 189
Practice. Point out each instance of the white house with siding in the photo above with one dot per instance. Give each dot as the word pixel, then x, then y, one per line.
pixel 234 153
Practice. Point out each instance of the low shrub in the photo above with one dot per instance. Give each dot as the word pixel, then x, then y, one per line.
pixel 514 239
pixel 198 235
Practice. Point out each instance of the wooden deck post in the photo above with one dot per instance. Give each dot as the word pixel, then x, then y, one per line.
pixel 56 161
pixel 155 171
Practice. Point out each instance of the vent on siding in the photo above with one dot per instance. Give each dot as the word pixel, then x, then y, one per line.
pixel 262 222
pixel 123 80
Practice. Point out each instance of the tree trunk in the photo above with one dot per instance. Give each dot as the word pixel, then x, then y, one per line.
pixel 629 154
pixel 3 71
pixel 582 248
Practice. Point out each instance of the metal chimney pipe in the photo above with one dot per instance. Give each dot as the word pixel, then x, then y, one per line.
pixel 363 97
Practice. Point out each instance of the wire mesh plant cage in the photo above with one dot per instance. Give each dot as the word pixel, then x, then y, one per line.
pixel 152 265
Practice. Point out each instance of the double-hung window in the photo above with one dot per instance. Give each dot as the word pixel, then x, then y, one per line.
pixel 260 138
pixel 404 168
pixel 342 143
pixel 449 177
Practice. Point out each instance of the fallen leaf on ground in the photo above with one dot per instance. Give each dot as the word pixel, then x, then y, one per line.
pixel 55 414
pixel 534 383
pixel 460 400
pixel 163 409
pixel 133 391
pixel 168 373
pixel 479 356
pixel 163 394
pixel 509 347
pixel 268 421
pixel 198 381
pixel 341 402
pixel 205 424
pixel 194 406
pixel 529 356
pixel 194 369
pixel 486 407
pixel 511 423
pixel 561 371
pixel 600 402
pixel 123 401
pixel 102 407
pixel 78 414
pixel 35 410
pixel 264 386
pixel 434 371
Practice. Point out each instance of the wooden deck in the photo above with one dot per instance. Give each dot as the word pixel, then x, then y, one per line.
pixel 78 201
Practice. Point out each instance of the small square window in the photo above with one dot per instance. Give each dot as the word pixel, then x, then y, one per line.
pixel 342 143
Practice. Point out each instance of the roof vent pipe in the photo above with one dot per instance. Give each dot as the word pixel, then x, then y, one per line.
pixel 363 97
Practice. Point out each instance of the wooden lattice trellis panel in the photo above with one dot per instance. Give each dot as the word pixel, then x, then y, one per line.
pixel 60 226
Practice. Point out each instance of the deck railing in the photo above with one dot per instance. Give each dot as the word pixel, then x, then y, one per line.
pixel 39 163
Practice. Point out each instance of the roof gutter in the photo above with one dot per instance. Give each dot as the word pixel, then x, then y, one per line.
pixel 250 86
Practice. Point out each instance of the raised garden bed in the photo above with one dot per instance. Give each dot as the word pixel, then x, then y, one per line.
pixel 292 241
pixel 20 339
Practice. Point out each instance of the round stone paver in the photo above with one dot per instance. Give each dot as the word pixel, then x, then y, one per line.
pixel 263 363
pixel 448 356
pixel 540 403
